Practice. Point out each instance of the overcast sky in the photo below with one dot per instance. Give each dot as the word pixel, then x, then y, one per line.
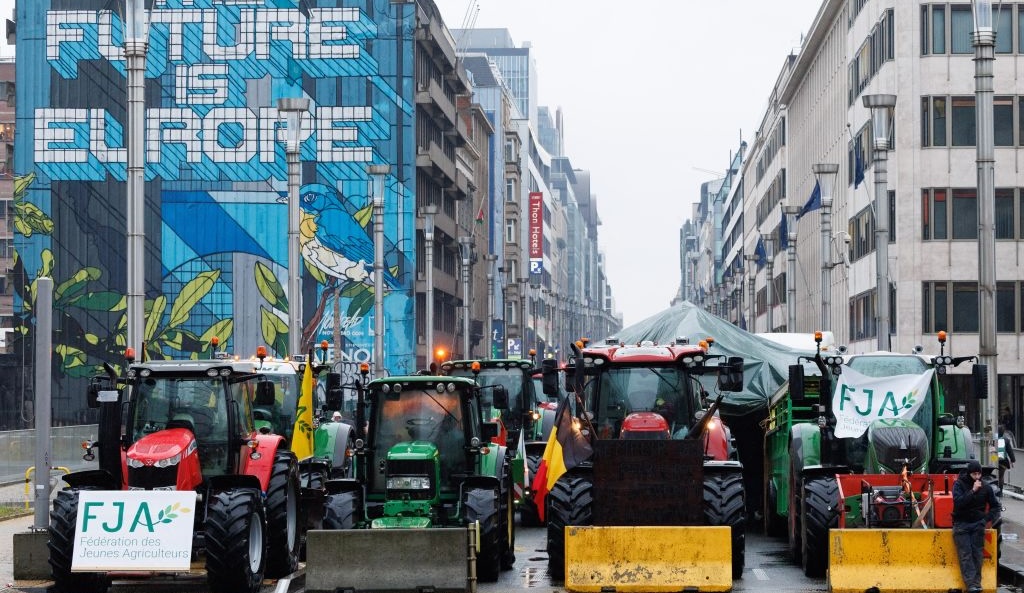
pixel 654 94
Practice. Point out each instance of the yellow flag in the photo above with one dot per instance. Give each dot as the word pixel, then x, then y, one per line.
pixel 302 434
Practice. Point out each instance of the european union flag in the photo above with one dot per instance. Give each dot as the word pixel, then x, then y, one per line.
pixel 783 233
pixel 813 202
pixel 761 253
pixel 858 168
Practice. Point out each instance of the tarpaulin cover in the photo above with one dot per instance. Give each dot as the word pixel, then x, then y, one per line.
pixel 766 362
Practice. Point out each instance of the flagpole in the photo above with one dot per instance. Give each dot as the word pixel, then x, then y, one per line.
pixel 825 175
pixel 788 212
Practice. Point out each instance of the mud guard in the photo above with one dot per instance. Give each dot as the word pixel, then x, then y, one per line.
pixel 364 559
pixel 902 561
pixel 652 559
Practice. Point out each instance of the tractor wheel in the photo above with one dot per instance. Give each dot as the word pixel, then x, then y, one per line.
pixel 483 505
pixel 283 525
pixel 570 502
pixel 63 519
pixel 724 506
pixel 774 524
pixel 343 510
pixel 528 515
pixel 508 518
pixel 819 514
pixel 235 545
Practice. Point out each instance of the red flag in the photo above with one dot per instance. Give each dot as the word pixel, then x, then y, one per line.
pixel 480 216
pixel 567 448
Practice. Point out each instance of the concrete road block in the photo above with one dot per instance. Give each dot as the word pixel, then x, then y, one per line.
pixel 31 556
pixel 388 559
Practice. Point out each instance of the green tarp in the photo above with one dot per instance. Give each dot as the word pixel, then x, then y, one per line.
pixel 766 362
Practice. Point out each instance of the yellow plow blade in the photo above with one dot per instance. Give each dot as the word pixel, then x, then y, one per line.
pixel 650 559
pixel 901 560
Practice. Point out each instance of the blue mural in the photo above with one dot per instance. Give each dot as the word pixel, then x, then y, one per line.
pixel 216 191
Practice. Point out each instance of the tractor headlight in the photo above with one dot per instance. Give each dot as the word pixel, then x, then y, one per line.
pixel 132 462
pixel 169 461
pixel 408 483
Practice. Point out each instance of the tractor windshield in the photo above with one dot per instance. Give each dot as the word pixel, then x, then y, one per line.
pixel 515 382
pixel 620 391
pixel 281 415
pixel 420 415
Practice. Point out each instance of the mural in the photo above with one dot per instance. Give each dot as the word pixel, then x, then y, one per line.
pixel 216 191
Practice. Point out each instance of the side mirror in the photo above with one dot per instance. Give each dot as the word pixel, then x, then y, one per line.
pixel 264 392
pixel 488 430
pixel 499 397
pixel 796 383
pixel 549 377
pixel 334 391
pixel 96 395
pixel 730 375
pixel 979 376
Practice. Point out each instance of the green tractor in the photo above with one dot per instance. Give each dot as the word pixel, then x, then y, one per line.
pixel 523 427
pixel 425 461
pixel 853 428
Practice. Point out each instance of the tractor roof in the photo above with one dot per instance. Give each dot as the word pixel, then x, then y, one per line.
pixel 645 352
pixel 190 367
pixel 421 381
pixel 488 363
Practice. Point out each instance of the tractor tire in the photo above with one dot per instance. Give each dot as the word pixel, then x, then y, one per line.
pixel 284 527
pixel 236 548
pixel 570 502
pixel 63 519
pixel 724 506
pixel 819 513
pixel 774 524
pixel 343 510
pixel 528 514
pixel 507 543
pixel 484 505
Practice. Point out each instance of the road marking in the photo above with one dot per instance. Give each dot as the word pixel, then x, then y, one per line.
pixel 760 574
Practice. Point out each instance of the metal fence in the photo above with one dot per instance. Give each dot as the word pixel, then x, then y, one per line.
pixel 18 450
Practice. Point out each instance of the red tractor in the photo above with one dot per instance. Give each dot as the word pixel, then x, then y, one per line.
pixel 188 426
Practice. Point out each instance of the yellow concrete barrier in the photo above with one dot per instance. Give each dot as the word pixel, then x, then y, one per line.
pixel 901 560
pixel 651 559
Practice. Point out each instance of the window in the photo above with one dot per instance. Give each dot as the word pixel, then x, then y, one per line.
pixel 963 129
pixel 510 190
pixel 1005 313
pixel 933 214
pixel 510 231
pixel 1004 213
pixel 1002 115
pixel 965 214
pixel 862 315
pixel 965 307
pixel 961 25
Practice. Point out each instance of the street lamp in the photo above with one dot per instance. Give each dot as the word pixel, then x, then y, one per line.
pixel 825 173
pixel 466 251
pixel 751 280
pixel 984 40
pixel 880 106
pixel 291 108
pixel 490 258
pixel 377 173
pixel 136 40
pixel 428 212
pixel 522 314
pixel 790 213
pixel 769 249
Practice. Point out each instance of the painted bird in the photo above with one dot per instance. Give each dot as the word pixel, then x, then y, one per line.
pixel 332 240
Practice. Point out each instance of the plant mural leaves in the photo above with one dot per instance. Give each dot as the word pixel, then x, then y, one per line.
pixel 21 185
pixel 191 294
pixel 275 331
pixel 154 314
pixel 100 301
pixel 269 287
pixel 75 284
pixel 29 219
pixel 361 302
pixel 221 329
pixel 364 215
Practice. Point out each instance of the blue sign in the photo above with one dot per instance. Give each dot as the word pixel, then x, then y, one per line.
pixel 515 348
pixel 498 339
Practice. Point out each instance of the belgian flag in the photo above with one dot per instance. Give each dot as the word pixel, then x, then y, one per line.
pixel 567 447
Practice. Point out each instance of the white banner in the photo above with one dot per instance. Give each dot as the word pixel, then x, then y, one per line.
pixel 859 399
pixel 133 530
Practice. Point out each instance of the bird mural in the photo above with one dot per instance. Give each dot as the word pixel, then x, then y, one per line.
pixel 334 242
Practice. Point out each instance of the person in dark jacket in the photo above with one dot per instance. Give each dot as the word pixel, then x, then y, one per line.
pixel 974 505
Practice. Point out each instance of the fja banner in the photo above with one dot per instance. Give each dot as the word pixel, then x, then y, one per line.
pixel 859 399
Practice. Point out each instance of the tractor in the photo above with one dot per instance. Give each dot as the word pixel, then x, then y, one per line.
pixel 648 416
pixel 189 426
pixel 424 459
pixel 862 440
pixel 521 424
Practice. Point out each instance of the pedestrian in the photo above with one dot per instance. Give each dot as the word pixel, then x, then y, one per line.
pixel 974 505
pixel 1005 445
pixel 1006 418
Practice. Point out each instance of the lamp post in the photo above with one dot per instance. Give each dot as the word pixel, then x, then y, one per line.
pixel 825 173
pixel 534 298
pixel 490 258
pixel 377 173
pixel 292 109
pixel 984 40
pixel 769 249
pixel 466 252
pixel 880 105
pixel 790 213
pixel 136 40
pixel 751 279
pixel 522 314
pixel 728 299
pixel 428 213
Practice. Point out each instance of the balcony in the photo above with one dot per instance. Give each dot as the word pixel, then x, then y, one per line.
pixel 439 167
pixel 431 97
